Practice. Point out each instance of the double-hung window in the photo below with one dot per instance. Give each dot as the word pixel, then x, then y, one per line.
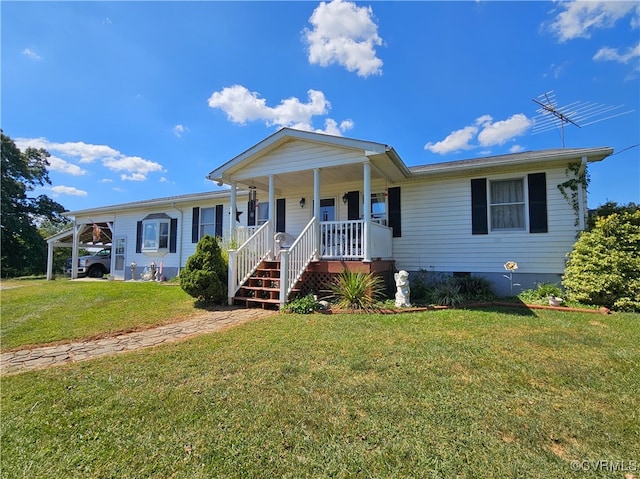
pixel 379 208
pixel 507 204
pixel 207 222
pixel 513 204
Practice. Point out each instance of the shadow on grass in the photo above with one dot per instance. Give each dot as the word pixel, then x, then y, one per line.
pixel 506 305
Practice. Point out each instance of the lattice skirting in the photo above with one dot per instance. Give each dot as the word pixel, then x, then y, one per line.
pixel 318 283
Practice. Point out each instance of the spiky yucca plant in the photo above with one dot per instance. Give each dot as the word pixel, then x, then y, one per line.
pixel 357 290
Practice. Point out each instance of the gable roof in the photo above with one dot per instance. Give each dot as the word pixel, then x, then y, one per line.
pixel 382 156
pixel 389 163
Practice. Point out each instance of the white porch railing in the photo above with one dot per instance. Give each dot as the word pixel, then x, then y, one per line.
pixel 342 239
pixel 381 241
pixel 294 261
pixel 244 260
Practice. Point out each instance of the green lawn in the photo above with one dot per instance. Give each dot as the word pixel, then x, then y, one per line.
pixel 440 394
pixel 39 311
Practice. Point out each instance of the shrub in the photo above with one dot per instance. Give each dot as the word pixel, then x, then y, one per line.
pixel 603 268
pixel 474 288
pixel 446 293
pixel 540 295
pixel 304 305
pixel 204 277
pixel 357 290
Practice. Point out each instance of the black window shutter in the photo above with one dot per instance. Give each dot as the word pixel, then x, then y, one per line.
pixel 195 225
pixel 219 221
pixel 395 218
pixel 353 205
pixel 139 237
pixel 281 226
pixel 479 222
pixel 173 235
pixel 537 203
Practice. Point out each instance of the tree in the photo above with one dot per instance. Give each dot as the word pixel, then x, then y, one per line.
pixel 24 250
pixel 607 209
pixel 204 277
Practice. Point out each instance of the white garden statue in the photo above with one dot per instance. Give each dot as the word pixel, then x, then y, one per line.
pixel 402 289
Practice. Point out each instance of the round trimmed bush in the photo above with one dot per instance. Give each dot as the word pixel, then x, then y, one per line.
pixel 205 275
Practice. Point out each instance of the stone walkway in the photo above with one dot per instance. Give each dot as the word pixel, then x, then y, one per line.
pixel 47 356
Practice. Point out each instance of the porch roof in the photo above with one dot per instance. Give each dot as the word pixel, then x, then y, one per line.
pixel 384 160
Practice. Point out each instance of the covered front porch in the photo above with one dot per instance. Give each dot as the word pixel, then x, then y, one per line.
pixel 312 197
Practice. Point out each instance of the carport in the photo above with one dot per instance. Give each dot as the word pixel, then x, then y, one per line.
pixel 85 234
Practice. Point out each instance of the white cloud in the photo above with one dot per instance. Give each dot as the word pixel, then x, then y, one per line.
pixel 138 167
pixel 611 54
pixel 485 130
pixel 500 132
pixel 346 34
pixel 58 164
pixel 455 141
pixel 68 153
pixel 106 180
pixel 242 105
pixel 516 149
pixel 179 130
pixel 31 54
pixel 579 18
pixel 67 190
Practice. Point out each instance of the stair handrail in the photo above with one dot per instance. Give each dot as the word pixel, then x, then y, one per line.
pixel 295 259
pixel 244 261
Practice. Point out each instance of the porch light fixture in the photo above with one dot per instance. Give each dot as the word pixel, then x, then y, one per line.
pixel 302 202
pixel 345 198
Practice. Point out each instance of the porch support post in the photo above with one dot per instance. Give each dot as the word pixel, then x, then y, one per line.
pixel 77 229
pixel 367 211
pixel 316 209
pixel 49 260
pixel 232 212
pixel 272 215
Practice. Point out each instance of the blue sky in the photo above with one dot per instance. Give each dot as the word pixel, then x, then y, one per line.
pixel 141 100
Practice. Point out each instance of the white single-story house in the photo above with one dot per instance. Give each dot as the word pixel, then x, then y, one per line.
pixel 310 203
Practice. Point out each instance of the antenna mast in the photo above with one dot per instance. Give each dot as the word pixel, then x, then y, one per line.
pixel 551 116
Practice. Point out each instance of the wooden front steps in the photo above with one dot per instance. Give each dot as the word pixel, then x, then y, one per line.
pixel 262 289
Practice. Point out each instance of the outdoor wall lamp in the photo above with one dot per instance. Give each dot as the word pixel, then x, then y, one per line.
pixel 302 202
pixel 345 198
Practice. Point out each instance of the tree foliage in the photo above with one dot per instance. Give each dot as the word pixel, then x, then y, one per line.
pixel 204 277
pixel 24 250
pixel 609 208
pixel 604 266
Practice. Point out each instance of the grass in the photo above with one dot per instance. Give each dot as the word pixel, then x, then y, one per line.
pixel 456 393
pixel 40 311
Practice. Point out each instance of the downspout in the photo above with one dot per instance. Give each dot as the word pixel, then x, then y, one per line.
pixel 581 194
pixel 173 205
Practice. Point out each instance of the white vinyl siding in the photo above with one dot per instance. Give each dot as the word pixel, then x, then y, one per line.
pixel 298 156
pixel 436 231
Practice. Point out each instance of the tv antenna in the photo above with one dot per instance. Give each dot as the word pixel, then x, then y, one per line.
pixel 551 116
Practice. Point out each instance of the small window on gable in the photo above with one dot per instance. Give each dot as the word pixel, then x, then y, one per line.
pixel 507 204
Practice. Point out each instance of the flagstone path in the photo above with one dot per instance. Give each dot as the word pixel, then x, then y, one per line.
pixel 47 356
